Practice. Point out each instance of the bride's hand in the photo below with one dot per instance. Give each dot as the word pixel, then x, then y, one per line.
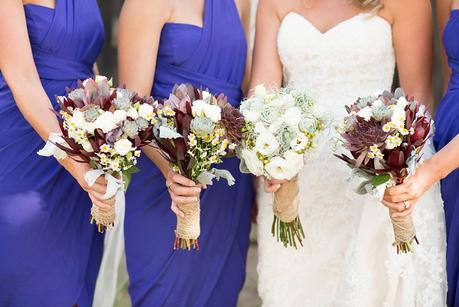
pixel 272 185
pixel 182 190
pixel 97 191
pixel 403 197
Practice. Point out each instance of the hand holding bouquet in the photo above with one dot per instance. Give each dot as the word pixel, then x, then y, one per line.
pixel 280 129
pixel 385 136
pixel 194 131
pixel 105 128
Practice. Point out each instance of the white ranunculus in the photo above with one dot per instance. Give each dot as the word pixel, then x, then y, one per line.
pixel 299 143
pixel 123 147
pixel 251 115
pixel 289 101
pixel 213 112
pixel 145 111
pixel 132 113
pixel 292 116
pixel 266 144
pixel 78 119
pixel 277 102
pixel 251 161
pixel 365 113
pixel 105 122
pixel 87 146
pixel 198 108
pixel 257 104
pixel 278 168
pixel 259 128
pixel 259 90
pixel 295 161
pixel 120 115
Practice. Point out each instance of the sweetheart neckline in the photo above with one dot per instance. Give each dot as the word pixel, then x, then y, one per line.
pixel 337 25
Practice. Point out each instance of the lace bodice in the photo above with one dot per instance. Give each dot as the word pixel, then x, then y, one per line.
pixel 354 58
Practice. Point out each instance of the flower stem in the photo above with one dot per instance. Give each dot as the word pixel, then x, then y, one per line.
pixel 288 233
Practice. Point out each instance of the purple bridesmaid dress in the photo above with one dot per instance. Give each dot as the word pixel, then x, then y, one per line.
pixel 447 127
pixel 49 253
pixel 213 57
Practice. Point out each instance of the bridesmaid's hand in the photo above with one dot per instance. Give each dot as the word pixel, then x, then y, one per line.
pixel 182 190
pixel 272 185
pixel 96 191
pixel 402 198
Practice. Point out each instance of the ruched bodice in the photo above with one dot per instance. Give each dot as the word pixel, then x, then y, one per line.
pixel 198 56
pixel 354 58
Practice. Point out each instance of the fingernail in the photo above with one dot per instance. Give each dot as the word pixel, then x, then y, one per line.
pixel 197 190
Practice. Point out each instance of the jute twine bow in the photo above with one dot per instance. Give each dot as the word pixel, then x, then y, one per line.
pixel 404 229
pixel 188 227
pixel 287 200
pixel 104 218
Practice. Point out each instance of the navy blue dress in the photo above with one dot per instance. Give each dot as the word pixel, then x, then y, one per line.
pixel 213 57
pixel 447 123
pixel 49 253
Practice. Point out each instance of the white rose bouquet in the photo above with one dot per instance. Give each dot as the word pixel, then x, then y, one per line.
pixel 104 127
pixel 194 131
pixel 280 128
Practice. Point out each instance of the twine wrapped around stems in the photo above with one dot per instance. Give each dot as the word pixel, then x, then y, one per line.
pixel 188 227
pixel 404 232
pixel 286 225
pixel 104 218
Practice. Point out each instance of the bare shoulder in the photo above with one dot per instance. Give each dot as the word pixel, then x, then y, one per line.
pixel 161 9
pixel 412 9
pixel 278 8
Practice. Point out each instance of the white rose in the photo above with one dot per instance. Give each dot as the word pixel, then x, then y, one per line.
pixel 78 119
pixel 292 116
pixel 132 113
pixel 87 146
pixel 365 113
pixel 251 115
pixel 257 105
pixel 276 125
pixel 123 147
pixel 198 108
pixel 266 144
pixel 105 122
pixel 213 112
pixel 278 168
pixel 299 143
pixel 145 111
pixel 120 115
pixel 277 102
pixel 295 161
pixel 289 101
pixel 259 90
pixel 259 128
pixel 251 161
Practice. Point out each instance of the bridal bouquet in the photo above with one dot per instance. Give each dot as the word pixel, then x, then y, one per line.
pixel 194 131
pixel 385 136
pixel 280 128
pixel 104 127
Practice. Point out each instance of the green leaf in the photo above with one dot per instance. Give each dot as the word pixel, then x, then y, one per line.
pixel 133 170
pixel 127 179
pixel 380 179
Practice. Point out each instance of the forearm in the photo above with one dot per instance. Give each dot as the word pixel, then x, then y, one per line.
pixel 445 161
pixel 34 104
pixel 153 154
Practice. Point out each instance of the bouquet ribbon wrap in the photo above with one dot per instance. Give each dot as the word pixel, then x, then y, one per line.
pixel 287 225
pixel 188 227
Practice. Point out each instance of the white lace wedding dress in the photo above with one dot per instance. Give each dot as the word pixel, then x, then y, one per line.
pixel 348 258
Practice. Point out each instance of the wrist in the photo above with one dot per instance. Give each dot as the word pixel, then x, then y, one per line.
pixel 433 171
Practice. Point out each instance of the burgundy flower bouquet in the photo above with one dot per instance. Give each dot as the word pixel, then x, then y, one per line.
pixel 385 136
pixel 194 131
